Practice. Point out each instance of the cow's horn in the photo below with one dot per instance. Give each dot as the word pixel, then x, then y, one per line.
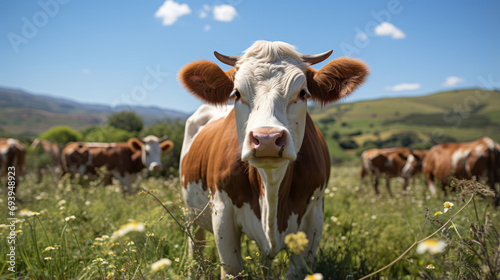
pixel 316 58
pixel 165 137
pixel 229 60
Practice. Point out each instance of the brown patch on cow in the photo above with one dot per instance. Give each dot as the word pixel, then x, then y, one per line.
pixel 116 157
pixel 14 156
pixel 207 81
pixel 215 159
pixel 481 160
pixel 311 170
pixel 336 80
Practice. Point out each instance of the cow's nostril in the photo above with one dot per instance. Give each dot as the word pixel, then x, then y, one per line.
pixel 255 141
pixel 280 141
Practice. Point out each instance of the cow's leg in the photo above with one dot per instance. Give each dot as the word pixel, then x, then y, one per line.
pixel 430 182
pixel 312 226
pixel 405 185
pixel 227 236
pixel 388 184
pixel 196 249
pixel 443 186
pixel 375 183
pixel 126 180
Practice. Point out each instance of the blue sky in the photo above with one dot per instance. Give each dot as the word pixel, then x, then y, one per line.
pixel 119 52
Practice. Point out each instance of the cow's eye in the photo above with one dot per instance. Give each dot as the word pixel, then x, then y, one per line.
pixel 235 94
pixel 303 94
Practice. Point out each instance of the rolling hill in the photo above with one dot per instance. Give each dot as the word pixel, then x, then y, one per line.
pixel 418 122
pixel 26 114
pixel 349 128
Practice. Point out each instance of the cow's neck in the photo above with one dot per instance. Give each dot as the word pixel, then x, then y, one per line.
pixel 137 164
pixel 272 179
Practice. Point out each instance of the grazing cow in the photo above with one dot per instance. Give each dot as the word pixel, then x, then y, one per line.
pixel 262 165
pixel 393 162
pixel 479 158
pixel 12 156
pixel 50 148
pixel 122 160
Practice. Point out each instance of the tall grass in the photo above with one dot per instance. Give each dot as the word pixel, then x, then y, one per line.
pixel 362 233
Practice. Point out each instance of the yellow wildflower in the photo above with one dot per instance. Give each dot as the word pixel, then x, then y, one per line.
pixel 296 242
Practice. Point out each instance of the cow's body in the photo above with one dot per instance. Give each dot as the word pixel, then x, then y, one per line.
pixel 479 158
pixel 261 165
pixel 392 162
pixel 12 158
pixel 122 160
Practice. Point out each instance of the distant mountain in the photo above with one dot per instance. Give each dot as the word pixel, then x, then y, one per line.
pixel 27 114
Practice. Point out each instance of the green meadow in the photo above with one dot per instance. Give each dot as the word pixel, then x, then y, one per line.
pixel 73 229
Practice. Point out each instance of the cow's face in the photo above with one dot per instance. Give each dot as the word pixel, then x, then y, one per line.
pixel 270 85
pixel 270 109
pixel 413 163
pixel 150 148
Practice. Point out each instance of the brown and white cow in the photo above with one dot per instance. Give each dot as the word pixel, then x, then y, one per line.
pixel 122 160
pixel 262 163
pixel 50 148
pixel 392 162
pixel 12 158
pixel 479 158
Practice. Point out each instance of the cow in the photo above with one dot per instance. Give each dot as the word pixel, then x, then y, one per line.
pixel 12 158
pixel 260 163
pixel 122 160
pixel 50 149
pixel 463 160
pixel 392 162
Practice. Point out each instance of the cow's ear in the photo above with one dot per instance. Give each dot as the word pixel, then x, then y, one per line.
pixel 336 80
pixel 166 146
pixel 207 81
pixel 135 144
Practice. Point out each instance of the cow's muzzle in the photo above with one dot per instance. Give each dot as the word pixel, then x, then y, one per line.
pixel 267 142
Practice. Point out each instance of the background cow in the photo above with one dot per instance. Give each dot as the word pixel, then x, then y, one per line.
pixel 12 154
pixel 393 162
pixel 50 157
pixel 263 164
pixel 479 158
pixel 122 160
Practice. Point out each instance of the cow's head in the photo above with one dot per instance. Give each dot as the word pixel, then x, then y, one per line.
pixel 413 163
pixel 270 84
pixel 151 148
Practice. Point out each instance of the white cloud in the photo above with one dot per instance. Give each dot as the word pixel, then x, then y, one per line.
pixel 207 27
pixel 224 13
pixel 203 14
pixel 404 86
pixel 86 71
pixel 206 7
pixel 170 11
pixel 388 29
pixel 452 81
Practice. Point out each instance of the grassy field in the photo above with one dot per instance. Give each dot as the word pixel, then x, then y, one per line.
pixel 460 115
pixel 74 233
